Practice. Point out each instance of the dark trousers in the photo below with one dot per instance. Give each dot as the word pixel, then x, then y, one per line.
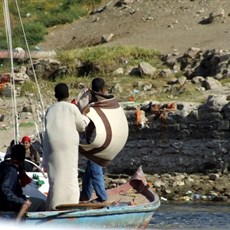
pixel 93 180
pixel 37 205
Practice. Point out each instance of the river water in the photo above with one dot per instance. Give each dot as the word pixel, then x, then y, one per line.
pixel 192 216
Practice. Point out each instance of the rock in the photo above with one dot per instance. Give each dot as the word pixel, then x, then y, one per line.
pixel 211 83
pixel 147 69
pixel 107 37
pixel 213 177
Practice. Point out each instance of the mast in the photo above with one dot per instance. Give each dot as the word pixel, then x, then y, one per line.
pixel 40 108
pixel 12 75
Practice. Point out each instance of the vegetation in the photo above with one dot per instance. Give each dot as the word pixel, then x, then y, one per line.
pixel 28 87
pixel 26 124
pixel 38 15
pixel 108 59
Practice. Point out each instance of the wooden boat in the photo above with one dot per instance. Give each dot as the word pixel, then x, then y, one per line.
pixel 130 206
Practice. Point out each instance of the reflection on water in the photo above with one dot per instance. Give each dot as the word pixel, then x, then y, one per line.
pixel 192 216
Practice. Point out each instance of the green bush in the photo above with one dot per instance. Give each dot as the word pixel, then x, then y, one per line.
pixel 28 87
pixel 37 16
pixel 3 41
pixel 52 20
pixel 35 32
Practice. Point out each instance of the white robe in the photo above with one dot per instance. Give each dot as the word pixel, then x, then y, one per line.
pixel 61 142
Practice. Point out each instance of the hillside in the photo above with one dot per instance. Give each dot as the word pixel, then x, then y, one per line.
pixel 165 25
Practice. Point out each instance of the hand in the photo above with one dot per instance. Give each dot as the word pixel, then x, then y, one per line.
pixel 27 204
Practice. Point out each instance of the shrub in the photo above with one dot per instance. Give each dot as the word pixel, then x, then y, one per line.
pixel 35 32
pixel 28 87
pixel 37 15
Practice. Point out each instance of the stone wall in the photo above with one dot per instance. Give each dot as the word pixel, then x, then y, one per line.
pixel 188 138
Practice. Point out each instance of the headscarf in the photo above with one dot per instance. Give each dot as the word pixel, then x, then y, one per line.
pixel 26 139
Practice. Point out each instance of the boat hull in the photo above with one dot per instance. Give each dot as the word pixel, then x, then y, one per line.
pixel 106 218
pixel 112 217
pixel 130 206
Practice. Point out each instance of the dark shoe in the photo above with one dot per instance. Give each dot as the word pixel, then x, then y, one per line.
pixel 84 200
pixel 97 201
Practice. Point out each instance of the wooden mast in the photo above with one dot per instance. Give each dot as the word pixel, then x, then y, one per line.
pixel 40 108
pixel 12 76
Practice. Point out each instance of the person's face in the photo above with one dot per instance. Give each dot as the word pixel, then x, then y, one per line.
pixel 105 90
pixel 26 144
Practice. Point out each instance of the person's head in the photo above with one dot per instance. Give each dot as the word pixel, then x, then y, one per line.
pixel 98 85
pixel 18 153
pixel 26 141
pixel 61 91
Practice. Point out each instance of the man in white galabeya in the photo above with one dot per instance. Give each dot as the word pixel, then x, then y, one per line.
pixel 63 122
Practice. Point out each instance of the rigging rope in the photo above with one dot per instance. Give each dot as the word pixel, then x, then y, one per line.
pixel 40 111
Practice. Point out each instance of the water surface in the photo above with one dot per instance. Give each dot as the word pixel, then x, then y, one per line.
pixel 202 216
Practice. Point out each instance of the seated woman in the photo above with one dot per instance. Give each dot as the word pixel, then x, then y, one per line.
pixel 31 154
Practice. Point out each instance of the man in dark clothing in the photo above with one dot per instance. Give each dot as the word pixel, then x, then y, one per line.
pixel 11 174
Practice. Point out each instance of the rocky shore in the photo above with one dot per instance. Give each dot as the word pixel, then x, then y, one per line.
pixel 182 187
pixel 211 185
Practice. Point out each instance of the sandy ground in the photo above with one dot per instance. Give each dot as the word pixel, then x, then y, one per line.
pixel 6 135
pixel 165 25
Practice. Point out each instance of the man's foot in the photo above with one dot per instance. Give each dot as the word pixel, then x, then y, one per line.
pixel 84 200
pixel 97 201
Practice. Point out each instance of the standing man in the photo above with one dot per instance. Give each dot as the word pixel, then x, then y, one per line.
pixel 93 179
pixel 63 121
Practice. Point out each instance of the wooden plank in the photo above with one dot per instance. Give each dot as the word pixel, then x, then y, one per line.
pixel 22 212
pixel 83 205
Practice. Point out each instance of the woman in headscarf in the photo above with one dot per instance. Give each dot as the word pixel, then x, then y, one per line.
pixel 31 154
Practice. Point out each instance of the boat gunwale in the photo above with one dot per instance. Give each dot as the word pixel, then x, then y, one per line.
pixel 109 210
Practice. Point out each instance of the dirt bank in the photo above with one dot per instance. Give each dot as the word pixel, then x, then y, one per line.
pixel 163 25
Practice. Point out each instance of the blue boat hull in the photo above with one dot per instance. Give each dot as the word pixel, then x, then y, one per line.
pixel 131 206
pixel 108 218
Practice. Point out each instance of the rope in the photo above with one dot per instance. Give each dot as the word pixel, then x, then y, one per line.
pixel 39 168
pixel 40 111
